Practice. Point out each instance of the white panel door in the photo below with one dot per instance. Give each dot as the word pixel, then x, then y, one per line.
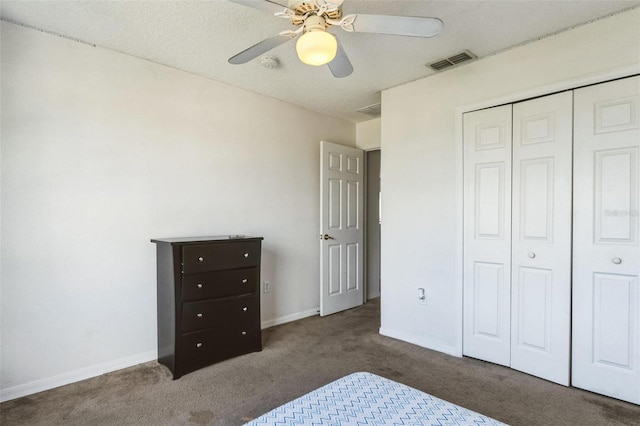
pixel 606 299
pixel 487 234
pixel 341 227
pixel 541 237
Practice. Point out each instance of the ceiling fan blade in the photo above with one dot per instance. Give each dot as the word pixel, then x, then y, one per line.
pixel 256 50
pixel 341 65
pixel 412 26
pixel 264 5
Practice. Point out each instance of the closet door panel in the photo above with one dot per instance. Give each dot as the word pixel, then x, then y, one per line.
pixel 487 234
pixel 614 195
pixel 541 243
pixel 613 316
pixel 606 266
pixel 534 317
pixel 536 199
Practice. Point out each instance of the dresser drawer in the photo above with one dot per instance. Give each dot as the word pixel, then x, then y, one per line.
pixel 239 313
pixel 204 347
pixel 214 257
pixel 207 285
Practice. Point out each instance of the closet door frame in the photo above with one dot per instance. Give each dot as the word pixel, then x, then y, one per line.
pixel 459 155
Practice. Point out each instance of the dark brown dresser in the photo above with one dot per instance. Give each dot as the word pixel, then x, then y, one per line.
pixel 208 300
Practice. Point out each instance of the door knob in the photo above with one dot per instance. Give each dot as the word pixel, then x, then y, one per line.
pixel 327 237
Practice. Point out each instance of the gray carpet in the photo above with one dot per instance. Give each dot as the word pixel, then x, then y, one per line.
pixel 299 357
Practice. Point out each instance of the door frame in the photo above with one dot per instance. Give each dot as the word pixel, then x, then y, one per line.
pixel 459 165
pixel 367 224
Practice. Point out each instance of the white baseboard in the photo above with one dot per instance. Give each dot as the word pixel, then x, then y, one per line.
pixel 421 341
pixel 289 318
pixel 75 376
pixel 7 394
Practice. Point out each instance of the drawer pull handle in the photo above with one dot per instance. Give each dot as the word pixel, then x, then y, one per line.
pixel 201 259
pixel 244 333
pixel 246 255
pixel 616 260
pixel 199 285
pixel 244 281
pixel 244 309
pixel 531 255
pixel 198 345
pixel 199 315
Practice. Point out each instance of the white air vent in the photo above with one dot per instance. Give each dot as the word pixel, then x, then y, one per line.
pixel 373 110
pixel 453 60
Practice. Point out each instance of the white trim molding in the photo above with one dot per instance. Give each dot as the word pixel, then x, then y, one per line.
pixel 289 318
pixel 420 340
pixel 75 376
pixel 7 394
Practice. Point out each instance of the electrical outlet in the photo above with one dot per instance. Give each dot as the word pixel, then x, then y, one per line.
pixel 422 296
pixel 267 287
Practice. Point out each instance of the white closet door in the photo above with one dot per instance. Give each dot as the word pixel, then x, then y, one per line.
pixel 487 234
pixel 606 300
pixel 541 237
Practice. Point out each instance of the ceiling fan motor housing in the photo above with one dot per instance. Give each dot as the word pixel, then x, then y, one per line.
pixel 304 8
pixel 315 23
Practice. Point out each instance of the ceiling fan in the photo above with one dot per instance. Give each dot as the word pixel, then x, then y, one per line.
pixel 316 46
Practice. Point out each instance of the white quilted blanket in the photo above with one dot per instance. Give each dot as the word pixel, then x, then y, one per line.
pixel 367 399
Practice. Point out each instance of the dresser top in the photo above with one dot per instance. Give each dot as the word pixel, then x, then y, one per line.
pixel 186 240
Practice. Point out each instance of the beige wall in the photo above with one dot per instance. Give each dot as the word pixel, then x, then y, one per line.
pixel 368 134
pixel 421 168
pixel 100 153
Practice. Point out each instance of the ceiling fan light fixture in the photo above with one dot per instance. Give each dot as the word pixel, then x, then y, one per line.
pixel 316 47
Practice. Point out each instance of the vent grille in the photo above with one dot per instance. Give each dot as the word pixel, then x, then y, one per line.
pixel 453 60
pixel 373 110
pixel 440 65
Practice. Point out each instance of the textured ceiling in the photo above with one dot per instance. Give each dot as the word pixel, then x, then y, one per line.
pixel 199 37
